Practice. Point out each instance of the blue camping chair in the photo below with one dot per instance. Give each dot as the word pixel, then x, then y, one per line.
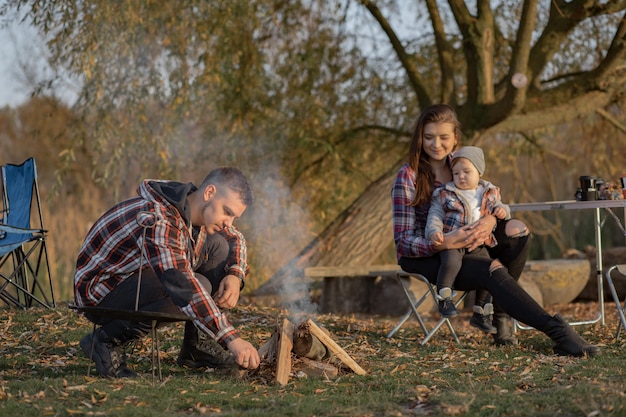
pixel 24 268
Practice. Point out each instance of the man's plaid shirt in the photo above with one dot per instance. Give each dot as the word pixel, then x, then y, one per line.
pixel 112 249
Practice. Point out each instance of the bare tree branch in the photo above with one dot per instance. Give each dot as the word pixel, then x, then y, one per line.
pixel 568 111
pixel 564 17
pixel 412 72
pixel 478 45
pixel 616 54
pixel 516 94
pixel 445 55
pixel 608 116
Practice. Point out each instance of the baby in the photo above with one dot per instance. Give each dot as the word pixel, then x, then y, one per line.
pixel 461 202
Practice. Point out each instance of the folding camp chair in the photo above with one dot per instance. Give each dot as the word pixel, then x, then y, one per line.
pixel 620 309
pixel 24 268
pixel 413 310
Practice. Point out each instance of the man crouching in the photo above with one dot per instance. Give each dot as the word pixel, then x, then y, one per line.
pixel 192 260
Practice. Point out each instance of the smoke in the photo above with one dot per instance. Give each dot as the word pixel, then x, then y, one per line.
pixel 281 228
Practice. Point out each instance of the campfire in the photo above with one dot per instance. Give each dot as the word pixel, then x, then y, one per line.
pixel 318 355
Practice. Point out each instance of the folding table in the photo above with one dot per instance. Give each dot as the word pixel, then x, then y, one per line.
pixel 594 205
pixel 621 310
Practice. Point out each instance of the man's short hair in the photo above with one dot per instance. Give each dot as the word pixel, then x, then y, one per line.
pixel 233 179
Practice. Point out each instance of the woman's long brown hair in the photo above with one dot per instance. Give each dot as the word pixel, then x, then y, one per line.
pixel 418 160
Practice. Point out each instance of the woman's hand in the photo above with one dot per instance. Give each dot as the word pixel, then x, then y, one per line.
pixel 470 237
pixel 481 230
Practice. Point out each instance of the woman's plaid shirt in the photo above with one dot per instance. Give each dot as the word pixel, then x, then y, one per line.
pixel 409 223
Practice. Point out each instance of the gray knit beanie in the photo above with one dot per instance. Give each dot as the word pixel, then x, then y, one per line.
pixel 474 154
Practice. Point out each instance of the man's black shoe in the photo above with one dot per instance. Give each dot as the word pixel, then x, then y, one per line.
pixel 204 352
pixel 110 359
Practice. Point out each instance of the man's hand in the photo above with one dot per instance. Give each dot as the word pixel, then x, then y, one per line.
pixel 245 354
pixel 228 292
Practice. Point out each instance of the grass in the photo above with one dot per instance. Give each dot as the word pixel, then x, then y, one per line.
pixel 43 373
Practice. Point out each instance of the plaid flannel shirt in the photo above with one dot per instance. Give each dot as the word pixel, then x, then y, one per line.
pixel 449 210
pixel 112 249
pixel 409 222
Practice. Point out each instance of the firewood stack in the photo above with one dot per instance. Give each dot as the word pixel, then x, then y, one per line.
pixel 316 351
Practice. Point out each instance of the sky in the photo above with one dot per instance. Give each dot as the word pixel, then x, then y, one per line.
pixel 23 65
pixel 12 92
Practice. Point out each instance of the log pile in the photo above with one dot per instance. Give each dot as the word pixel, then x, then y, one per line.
pixel 317 353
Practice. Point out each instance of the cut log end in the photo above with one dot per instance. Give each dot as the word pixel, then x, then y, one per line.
pixel 306 345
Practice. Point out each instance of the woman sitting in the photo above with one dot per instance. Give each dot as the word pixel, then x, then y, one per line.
pixel 436 136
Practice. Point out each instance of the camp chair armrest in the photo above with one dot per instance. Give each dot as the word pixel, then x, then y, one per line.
pixel 13 229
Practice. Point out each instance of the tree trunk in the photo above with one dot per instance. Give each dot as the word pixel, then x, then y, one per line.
pixel 356 237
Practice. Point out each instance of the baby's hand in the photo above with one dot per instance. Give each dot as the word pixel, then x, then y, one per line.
pixel 437 238
pixel 500 213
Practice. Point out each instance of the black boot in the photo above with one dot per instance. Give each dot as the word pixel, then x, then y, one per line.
pixel 504 334
pixel 447 308
pixel 482 318
pixel 108 355
pixel 199 351
pixel 566 340
pixel 109 346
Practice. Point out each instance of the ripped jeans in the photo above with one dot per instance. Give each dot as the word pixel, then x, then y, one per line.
pixel 497 275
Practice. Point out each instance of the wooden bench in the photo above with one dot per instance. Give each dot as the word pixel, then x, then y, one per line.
pixel 368 289
pixel 316 272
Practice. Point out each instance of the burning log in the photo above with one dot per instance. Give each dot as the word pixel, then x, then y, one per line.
pixel 306 345
pixel 311 344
